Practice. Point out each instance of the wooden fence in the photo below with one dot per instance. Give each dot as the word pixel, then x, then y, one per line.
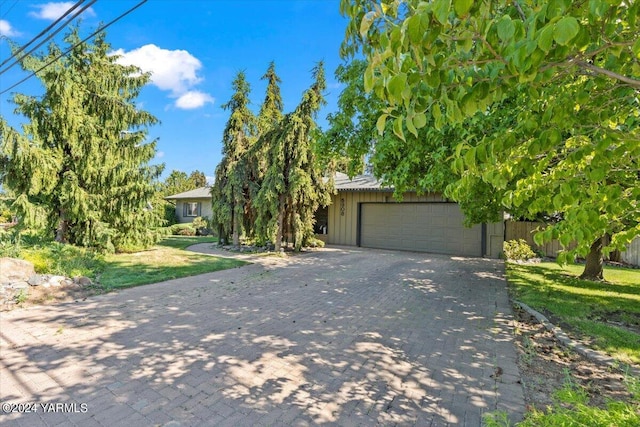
pixel 515 230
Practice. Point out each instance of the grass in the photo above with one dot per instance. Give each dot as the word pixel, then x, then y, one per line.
pixel 165 261
pixel 168 260
pixel 604 314
pixel 571 408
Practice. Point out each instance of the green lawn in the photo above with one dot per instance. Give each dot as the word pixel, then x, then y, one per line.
pixel 168 260
pixel 165 261
pixel 606 314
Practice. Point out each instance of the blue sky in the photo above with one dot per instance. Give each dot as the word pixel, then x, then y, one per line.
pixel 194 48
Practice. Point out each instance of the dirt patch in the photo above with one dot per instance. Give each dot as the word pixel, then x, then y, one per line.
pixel 40 295
pixel 546 366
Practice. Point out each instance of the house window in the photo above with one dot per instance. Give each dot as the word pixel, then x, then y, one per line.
pixel 191 209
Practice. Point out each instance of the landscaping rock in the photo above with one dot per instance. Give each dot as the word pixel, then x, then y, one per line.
pixel 82 281
pixel 19 285
pixel 37 280
pixel 57 280
pixel 13 269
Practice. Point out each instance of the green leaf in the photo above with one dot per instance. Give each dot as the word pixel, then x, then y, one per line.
pixel 411 127
pixel 506 29
pixel 381 123
pixel 462 7
pixel 636 48
pixel 397 128
pixel 565 30
pixel 366 22
pixel 420 120
pixel 368 79
pixel 545 38
pixel 437 116
pixel 597 174
pixel 396 85
pixel 441 10
pixel 417 26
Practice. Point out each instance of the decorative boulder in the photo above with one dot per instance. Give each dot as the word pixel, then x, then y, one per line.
pixel 82 281
pixel 15 270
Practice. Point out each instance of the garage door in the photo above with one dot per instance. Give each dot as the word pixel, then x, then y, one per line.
pixel 423 227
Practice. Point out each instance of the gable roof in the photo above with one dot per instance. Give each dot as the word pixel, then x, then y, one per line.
pixel 341 182
pixel 359 183
pixel 198 193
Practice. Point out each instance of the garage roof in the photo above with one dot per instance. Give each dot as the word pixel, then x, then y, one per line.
pixel 359 183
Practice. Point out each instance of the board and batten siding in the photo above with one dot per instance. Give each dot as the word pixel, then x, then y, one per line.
pixel 343 218
pixel 343 212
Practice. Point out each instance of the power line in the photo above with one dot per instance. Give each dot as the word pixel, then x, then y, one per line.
pixel 11 7
pixel 49 37
pixel 100 29
pixel 42 32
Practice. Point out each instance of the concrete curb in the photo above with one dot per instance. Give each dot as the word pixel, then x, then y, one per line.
pixel 578 347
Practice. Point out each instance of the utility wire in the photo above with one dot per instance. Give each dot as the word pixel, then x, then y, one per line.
pixel 100 29
pixel 49 37
pixel 11 7
pixel 42 32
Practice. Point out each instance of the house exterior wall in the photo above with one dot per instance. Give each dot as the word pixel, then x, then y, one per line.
pixel 343 223
pixel 205 209
pixel 343 217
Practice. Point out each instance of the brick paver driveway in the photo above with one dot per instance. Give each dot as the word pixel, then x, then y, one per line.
pixel 341 336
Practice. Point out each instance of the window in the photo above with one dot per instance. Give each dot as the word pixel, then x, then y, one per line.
pixel 191 209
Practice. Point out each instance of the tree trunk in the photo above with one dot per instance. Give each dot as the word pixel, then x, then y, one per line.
pixel 236 233
pixel 63 227
pixel 279 231
pixel 593 267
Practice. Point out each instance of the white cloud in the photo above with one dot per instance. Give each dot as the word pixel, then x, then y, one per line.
pixel 52 11
pixel 171 70
pixel 6 29
pixel 159 154
pixel 211 180
pixel 193 99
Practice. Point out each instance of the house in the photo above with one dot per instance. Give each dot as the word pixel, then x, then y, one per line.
pixel 364 213
pixel 192 204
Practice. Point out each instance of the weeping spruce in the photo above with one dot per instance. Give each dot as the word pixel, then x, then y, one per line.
pixel 81 163
pixel 269 117
pixel 293 188
pixel 230 191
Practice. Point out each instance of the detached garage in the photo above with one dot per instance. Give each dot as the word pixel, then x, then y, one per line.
pixel 363 213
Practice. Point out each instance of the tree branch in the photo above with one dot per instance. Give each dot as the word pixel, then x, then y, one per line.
pixel 608 73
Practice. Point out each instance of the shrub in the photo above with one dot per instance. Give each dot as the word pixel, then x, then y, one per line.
pixel 517 250
pixel 179 230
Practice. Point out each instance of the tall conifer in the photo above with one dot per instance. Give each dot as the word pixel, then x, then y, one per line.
pixel 293 187
pixel 230 191
pixel 81 158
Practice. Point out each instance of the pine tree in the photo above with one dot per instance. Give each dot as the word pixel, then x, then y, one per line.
pixel 269 117
pixel 82 160
pixel 293 187
pixel 230 191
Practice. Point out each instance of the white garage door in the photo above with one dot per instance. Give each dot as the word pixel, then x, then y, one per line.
pixel 423 227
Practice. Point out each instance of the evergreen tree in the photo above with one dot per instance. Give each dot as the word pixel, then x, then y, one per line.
pixel 198 179
pixel 81 159
pixel 230 192
pixel 270 116
pixel 293 187
pixel 177 182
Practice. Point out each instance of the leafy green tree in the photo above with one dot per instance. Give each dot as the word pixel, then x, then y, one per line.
pixel 230 191
pixel 198 178
pixel 570 147
pixel 293 188
pixel 177 182
pixel 81 160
